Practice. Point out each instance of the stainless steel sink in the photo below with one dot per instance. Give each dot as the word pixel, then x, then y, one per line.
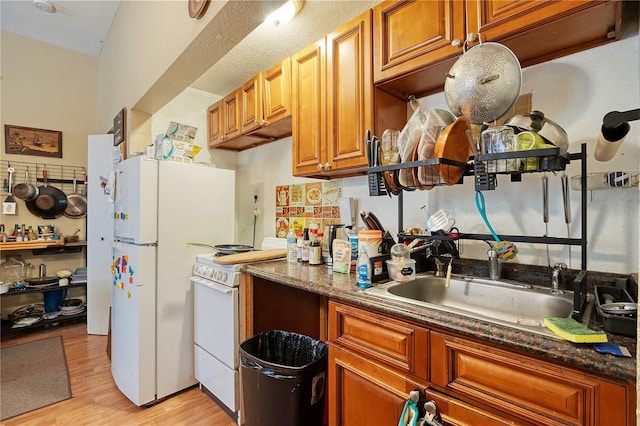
pixel 512 304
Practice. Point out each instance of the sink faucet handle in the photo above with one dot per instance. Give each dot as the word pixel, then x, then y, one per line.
pixel 561 266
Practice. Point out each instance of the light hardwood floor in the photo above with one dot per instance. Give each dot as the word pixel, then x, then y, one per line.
pixel 95 398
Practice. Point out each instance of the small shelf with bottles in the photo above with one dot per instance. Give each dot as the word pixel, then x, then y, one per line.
pixel 44 246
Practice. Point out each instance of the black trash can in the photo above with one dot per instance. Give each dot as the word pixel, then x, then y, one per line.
pixel 283 379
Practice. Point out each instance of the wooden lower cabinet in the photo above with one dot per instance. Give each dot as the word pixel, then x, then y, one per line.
pixel 375 360
pixel 533 390
pixel 363 392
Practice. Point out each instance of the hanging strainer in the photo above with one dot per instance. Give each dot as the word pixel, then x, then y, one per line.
pixel 484 83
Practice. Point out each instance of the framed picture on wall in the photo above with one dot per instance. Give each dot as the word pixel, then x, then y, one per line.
pixel 30 141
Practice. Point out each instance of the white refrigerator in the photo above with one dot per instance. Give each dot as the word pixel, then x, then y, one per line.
pixel 159 207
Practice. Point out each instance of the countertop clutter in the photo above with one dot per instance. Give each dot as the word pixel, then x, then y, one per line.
pixel 342 287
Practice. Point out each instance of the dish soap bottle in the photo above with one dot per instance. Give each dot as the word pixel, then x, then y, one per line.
pixel 363 270
pixel 292 247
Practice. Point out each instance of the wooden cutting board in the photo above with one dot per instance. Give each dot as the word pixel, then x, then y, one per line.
pixel 250 256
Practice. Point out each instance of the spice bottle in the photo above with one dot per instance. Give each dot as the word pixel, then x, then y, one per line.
pixel 305 245
pixel 299 244
pixel 315 248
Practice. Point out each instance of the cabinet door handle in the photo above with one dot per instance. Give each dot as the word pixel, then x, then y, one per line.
pixel 327 166
pixel 320 167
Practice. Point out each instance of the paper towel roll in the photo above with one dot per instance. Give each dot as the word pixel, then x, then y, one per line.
pixel 609 141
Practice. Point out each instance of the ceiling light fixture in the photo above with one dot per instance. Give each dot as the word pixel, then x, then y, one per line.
pixel 45 5
pixel 285 13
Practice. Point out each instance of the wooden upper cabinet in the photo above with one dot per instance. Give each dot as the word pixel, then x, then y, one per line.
pixel 256 113
pixel 412 38
pixel 277 93
pixel 538 31
pixel 266 99
pixel 410 34
pixel 308 82
pixel 251 113
pixel 214 121
pixel 334 102
pixel 350 99
pixel 231 115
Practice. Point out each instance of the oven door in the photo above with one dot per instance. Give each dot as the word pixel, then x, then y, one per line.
pixel 216 340
pixel 216 320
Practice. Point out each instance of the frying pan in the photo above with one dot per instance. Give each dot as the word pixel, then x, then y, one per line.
pixel 41 281
pixel 49 203
pixel 223 249
pixel 76 203
pixel 25 191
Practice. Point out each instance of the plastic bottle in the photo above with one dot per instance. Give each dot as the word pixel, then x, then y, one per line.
pixel 363 270
pixel 292 247
pixel 299 244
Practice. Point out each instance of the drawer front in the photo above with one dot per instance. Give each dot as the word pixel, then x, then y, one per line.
pixel 398 344
pixel 530 389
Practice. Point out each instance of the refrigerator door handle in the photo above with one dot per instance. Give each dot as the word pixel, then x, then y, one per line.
pixel 212 285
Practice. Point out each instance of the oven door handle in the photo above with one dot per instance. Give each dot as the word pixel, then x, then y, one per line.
pixel 212 285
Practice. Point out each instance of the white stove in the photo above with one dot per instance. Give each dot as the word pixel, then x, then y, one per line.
pixel 217 326
pixel 205 267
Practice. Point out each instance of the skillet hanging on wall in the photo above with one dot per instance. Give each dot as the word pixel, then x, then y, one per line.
pixel 50 202
pixel 484 83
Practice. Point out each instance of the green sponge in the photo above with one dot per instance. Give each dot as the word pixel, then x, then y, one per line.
pixel 573 331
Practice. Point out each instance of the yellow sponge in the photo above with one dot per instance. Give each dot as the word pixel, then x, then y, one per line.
pixel 573 331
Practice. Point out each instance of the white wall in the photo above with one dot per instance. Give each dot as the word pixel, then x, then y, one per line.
pixel 574 91
pixel 187 108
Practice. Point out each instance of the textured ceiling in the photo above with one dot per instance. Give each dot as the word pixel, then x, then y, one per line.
pixel 267 45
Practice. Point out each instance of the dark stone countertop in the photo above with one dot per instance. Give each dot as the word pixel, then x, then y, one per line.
pixel 342 287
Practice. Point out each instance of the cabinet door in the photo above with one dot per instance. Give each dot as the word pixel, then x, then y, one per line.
pixel 542 30
pixel 231 115
pixel 364 393
pixel 308 77
pixel 349 94
pixel 214 122
pixel 251 104
pixel 411 34
pixel 277 92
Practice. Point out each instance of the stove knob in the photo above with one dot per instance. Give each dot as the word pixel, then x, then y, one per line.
pixel 210 271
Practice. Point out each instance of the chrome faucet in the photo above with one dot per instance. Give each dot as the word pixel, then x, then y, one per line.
pixel 556 278
pixel 439 268
pixel 494 264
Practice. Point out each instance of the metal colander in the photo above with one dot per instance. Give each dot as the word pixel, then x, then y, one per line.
pixel 484 83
